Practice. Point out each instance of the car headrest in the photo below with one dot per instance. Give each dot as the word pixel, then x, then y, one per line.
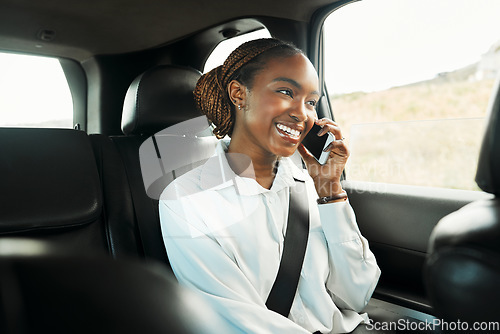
pixel 160 97
pixel 488 169
pixel 463 267
pixel 49 180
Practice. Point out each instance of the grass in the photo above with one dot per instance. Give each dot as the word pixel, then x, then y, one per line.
pixel 426 134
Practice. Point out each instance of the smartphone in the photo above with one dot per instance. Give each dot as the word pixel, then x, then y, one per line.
pixel 315 144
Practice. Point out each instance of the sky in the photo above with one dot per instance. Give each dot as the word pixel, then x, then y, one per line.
pixel 370 45
pixel 376 44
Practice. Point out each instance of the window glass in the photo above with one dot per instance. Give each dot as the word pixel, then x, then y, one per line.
pixel 409 83
pixel 221 51
pixel 34 92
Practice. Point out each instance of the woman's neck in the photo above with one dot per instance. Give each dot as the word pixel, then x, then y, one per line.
pixel 264 165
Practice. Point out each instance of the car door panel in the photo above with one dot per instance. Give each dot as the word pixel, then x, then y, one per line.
pixel 398 220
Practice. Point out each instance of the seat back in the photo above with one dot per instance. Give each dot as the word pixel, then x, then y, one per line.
pixel 156 107
pixel 50 189
pixel 45 291
pixel 463 267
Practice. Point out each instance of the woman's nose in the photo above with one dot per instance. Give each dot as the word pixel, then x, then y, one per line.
pixel 299 113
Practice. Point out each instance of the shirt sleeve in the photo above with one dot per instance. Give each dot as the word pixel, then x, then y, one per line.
pixel 201 263
pixel 354 272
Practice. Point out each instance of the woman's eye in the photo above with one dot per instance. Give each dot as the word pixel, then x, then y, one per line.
pixel 312 103
pixel 287 92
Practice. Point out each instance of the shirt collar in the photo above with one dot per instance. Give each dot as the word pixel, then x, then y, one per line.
pixel 216 174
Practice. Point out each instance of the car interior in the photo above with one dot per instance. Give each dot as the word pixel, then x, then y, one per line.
pixel 81 248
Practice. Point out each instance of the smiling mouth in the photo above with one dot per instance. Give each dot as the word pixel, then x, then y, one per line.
pixel 287 131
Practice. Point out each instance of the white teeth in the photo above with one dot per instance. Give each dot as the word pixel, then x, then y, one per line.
pixel 288 130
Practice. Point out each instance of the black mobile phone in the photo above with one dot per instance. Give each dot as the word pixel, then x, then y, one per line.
pixel 315 144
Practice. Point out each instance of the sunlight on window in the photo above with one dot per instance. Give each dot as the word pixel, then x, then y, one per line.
pixel 409 83
pixel 406 41
pixel 225 47
pixel 34 92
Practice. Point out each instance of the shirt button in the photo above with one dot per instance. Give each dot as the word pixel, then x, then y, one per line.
pixel 270 199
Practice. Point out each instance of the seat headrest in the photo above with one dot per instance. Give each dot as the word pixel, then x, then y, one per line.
pixel 158 98
pixel 488 169
pixel 463 267
pixel 49 180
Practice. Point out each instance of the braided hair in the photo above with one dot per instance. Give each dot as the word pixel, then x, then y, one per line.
pixel 242 65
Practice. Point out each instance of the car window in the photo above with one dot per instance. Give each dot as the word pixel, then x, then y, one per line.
pixel 224 48
pixel 34 92
pixel 409 83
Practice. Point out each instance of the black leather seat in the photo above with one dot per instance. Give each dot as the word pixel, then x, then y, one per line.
pixel 463 266
pixel 51 191
pixel 157 100
pixel 42 290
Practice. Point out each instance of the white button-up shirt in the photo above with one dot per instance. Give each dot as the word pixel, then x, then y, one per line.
pixel 224 237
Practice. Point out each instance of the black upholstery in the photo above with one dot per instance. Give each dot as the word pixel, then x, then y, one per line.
pixel 463 266
pixel 51 180
pixel 158 98
pixel 488 175
pixel 49 293
pixel 146 209
pixel 50 188
pixel 117 199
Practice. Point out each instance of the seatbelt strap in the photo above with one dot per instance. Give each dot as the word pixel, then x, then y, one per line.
pixel 297 231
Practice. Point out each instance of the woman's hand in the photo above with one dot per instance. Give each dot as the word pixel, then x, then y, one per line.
pixel 327 177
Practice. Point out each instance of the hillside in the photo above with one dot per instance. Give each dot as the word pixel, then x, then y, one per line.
pixel 426 133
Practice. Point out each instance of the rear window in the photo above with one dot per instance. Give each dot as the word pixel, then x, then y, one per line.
pixel 34 92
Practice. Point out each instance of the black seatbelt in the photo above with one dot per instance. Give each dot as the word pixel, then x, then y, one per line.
pixel 297 231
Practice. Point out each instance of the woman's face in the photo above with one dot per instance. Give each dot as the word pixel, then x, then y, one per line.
pixel 279 109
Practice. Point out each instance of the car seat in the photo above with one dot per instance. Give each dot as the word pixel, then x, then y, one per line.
pixel 45 290
pixel 159 114
pixel 462 271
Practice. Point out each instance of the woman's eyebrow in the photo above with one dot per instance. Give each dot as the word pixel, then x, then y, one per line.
pixel 294 83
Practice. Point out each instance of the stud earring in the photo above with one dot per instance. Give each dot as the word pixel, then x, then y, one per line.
pixel 239 107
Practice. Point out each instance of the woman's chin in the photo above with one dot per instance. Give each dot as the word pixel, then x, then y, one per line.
pixel 286 152
pixel 282 148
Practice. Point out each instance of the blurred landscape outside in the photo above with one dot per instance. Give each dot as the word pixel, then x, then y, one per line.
pixel 425 132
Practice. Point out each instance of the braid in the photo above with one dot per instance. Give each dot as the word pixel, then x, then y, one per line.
pixel 211 89
pixel 211 101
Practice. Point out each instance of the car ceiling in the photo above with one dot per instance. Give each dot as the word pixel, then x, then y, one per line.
pixel 81 29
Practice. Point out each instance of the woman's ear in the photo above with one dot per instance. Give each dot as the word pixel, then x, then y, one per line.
pixel 237 93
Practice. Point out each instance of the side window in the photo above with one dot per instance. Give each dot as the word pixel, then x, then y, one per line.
pixel 221 51
pixel 34 92
pixel 409 83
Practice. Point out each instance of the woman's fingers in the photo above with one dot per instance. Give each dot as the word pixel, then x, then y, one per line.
pixel 306 156
pixel 329 126
pixel 337 144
